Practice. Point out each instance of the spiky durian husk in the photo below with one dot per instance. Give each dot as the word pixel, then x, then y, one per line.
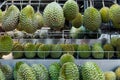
pixel 66 58
pixel 7 71
pixel 17 47
pixel 38 19
pixel 114 15
pixel 117 73
pixel 97 51
pixel 54 70
pixel 44 50
pixel 25 72
pixel 40 71
pixel 86 50
pixel 104 11
pixel 92 19
pixel 11 18
pixel 91 71
pixel 70 9
pixel 68 48
pixel 29 49
pixel 77 22
pixel 69 71
pixel 110 75
pixel 26 19
pixel 6 44
pixel 109 50
pixel 54 53
pixel 53 16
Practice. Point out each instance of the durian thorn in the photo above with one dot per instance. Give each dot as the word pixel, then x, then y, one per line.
pixel 103 3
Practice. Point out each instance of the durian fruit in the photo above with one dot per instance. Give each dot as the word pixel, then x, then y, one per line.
pixel 1 16
pixel 24 72
pixel 85 50
pixel 40 71
pixel 77 21
pixel 110 75
pixel 70 9
pixel 15 69
pixel 38 45
pixel 118 48
pixel 97 51
pixel 117 72
pixel 6 44
pixel 11 18
pixel 114 14
pixel 26 19
pixel 77 33
pixel 38 20
pixel 44 50
pixel 30 50
pixel 2 76
pixel 67 48
pixel 66 58
pixel 53 16
pixel 113 41
pixel 54 70
pixel 91 71
pixel 109 50
pixel 92 18
pixel 7 71
pixel 54 53
pixel 16 48
pixel 69 71
pixel 104 11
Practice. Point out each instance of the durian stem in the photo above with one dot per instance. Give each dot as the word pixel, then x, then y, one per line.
pixel 115 1
pixel 90 3
pixel 29 2
pixel 21 2
pixel 103 3
pixel 12 2
pixel 38 6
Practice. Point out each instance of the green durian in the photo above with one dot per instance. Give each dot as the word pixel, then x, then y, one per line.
pixel 54 53
pixel 26 19
pixel 117 72
pixel 70 9
pixel 66 58
pixel 109 50
pixel 7 71
pixel 86 50
pixel 44 51
pixel 113 41
pixel 69 71
pixel 97 51
pixel 92 18
pixel 77 21
pixel 30 50
pixel 53 16
pixel 38 20
pixel 17 47
pixel 110 75
pixel 6 44
pixel 40 71
pixel 11 18
pixel 91 71
pixel 54 70
pixel 2 76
